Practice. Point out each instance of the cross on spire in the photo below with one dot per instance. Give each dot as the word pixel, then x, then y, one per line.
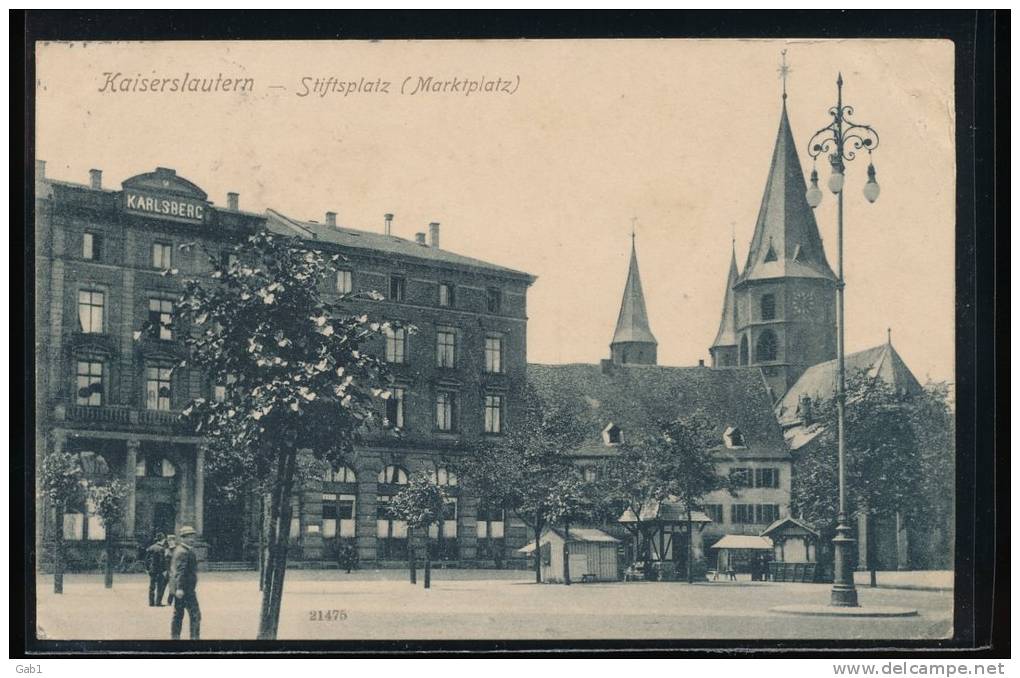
pixel 633 229
pixel 784 70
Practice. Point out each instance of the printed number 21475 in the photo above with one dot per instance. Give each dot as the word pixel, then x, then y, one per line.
pixel 327 615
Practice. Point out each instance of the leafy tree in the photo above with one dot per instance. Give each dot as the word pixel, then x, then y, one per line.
pixel 521 470
pixel 420 503
pixel 109 497
pixel 690 470
pixel 61 476
pixel 898 458
pixel 632 482
pixel 297 372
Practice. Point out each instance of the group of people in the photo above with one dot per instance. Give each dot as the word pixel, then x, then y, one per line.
pixel 759 567
pixel 173 566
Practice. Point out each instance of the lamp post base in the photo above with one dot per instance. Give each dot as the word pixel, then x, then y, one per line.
pixel 844 594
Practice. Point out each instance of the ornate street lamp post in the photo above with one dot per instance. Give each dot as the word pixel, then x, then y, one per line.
pixel 840 140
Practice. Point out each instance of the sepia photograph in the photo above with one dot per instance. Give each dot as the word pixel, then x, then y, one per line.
pixel 495 340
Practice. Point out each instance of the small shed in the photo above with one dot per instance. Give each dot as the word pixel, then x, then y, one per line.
pixel 592 554
pixel 734 551
pixel 794 540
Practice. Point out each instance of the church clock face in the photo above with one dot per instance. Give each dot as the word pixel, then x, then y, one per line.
pixel 803 303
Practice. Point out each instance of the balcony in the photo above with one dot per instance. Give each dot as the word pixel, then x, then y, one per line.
pixel 99 415
pixel 115 415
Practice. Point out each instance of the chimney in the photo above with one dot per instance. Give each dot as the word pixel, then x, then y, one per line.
pixel 434 234
pixel 40 169
pixel 806 415
pixel 331 219
pixel 233 199
pixel 419 238
pixel 388 227
pixel 95 179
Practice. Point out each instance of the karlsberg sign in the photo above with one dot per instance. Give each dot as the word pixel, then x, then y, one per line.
pixel 184 209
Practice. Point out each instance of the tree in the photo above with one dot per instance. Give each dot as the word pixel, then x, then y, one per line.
pixel 690 470
pixel 898 451
pixel 295 370
pixel 521 470
pixel 569 500
pixel 421 503
pixel 62 482
pixel 633 481
pixel 108 499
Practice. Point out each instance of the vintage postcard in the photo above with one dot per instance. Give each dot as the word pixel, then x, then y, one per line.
pixel 515 340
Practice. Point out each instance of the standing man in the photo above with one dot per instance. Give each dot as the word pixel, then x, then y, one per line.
pixel 183 580
pixel 169 544
pixel 155 565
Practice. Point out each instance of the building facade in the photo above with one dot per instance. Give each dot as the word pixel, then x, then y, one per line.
pixel 111 380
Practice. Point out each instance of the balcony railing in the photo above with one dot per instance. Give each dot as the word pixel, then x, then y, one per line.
pixel 115 414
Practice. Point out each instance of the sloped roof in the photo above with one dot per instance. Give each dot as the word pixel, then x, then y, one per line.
pixel 819 381
pixel 788 520
pixel 632 323
pixel 640 398
pixel 786 223
pixel 727 334
pixel 743 541
pixel 382 243
pixel 664 511
pixel 577 535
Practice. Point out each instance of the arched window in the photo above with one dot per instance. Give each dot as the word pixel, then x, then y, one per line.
pixel 768 306
pixel 344 474
pixel 767 347
pixel 443 476
pixel 393 475
pixel 744 358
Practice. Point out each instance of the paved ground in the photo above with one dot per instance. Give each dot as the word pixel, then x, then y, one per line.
pixel 479 605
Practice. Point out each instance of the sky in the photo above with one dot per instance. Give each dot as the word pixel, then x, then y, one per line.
pixel 579 141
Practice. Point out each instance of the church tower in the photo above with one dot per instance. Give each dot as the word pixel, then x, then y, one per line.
pixel 633 342
pixel 784 310
pixel 724 348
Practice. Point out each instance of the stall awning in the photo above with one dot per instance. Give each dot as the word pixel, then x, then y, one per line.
pixel 743 541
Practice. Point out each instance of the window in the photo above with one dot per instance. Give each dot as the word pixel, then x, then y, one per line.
pixel 744 354
pixel 445 401
pixel 742 514
pixel 741 477
pixel 161 255
pixel 444 476
pixel 612 435
pixel 220 390
pixel 393 475
pixel 397 285
pixel 90 311
pixel 344 281
pixel 89 383
pixel 493 300
pixel 395 407
pixel 161 318
pixel 591 474
pixel 494 354
pixel 396 345
pixel 768 306
pixel 493 414
pixel 766 477
pixel 766 348
pixel 771 254
pixel 446 294
pixel 733 437
pixel 91 246
pixel 766 513
pixel 715 512
pixel 446 347
pixel 154 466
pixel 338 511
pixel 344 474
pixel 87 526
pixel 157 387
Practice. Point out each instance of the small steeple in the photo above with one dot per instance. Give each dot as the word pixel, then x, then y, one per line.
pixel 633 341
pixel 726 337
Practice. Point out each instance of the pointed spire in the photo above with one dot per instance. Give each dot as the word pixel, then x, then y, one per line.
pixel 632 323
pixel 786 241
pixel 727 334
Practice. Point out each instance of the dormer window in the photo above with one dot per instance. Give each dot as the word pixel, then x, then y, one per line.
pixel 733 437
pixel 612 435
pixel 771 254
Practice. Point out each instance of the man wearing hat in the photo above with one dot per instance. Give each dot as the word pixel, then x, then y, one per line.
pixel 155 565
pixel 183 579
